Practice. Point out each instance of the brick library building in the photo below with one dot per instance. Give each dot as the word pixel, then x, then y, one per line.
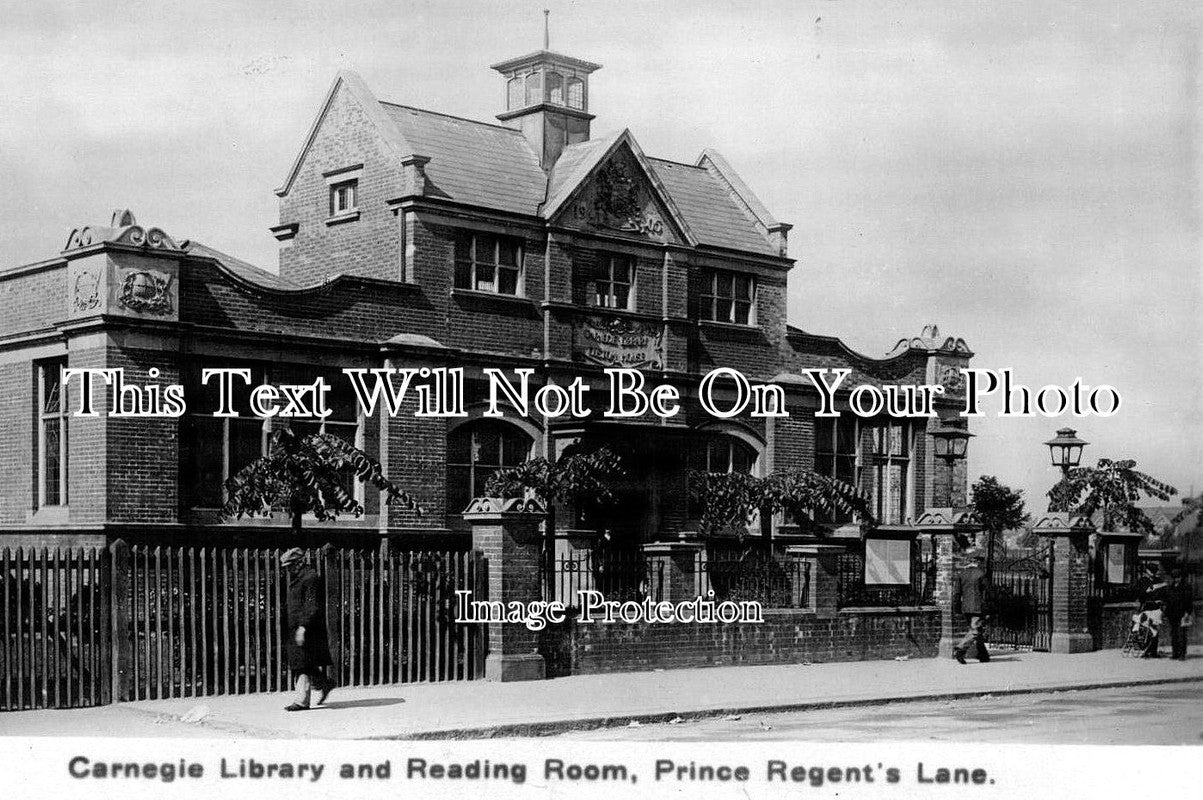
pixel 412 238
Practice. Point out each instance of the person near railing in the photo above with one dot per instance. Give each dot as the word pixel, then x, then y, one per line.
pixel 1151 591
pixel 969 588
pixel 307 648
pixel 1178 608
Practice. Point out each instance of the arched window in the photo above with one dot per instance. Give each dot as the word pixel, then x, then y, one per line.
pixel 719 452
pixel 555 88
pixel 475 451
pixel 534 88
pixel 514 92
pixel 723 453
pixel 576 93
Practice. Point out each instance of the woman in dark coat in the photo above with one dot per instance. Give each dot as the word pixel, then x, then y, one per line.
pixel 307 649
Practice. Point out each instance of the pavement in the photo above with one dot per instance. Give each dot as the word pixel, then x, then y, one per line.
pixel 479 709
pixel 1160 714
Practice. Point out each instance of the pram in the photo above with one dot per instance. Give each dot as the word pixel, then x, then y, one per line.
pixel 1145 624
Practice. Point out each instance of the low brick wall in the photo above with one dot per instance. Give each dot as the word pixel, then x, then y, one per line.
pixel 787 636
pixel 1111 622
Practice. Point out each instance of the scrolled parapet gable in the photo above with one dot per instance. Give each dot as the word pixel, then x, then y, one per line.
pixel 504 505
pixel 947 518
pixel 1060 523
pixel 814 351
pixel 122 269
pixel 946 357
pixel 122 229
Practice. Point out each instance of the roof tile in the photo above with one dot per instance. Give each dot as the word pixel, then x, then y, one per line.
pixel 492 166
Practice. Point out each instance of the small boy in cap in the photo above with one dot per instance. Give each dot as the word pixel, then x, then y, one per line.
pixel 970 588
pixel 307 649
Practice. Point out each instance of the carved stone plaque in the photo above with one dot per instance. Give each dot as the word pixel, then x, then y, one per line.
pixel 619 199
pixel 614 342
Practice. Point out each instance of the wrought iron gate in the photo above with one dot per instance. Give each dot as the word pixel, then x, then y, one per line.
pixel 1021 602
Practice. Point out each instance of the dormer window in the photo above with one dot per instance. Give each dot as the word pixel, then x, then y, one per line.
pixel 343 198
pixel 487 263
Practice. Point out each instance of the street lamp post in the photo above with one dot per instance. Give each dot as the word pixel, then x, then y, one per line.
pixel 950 444
pixel 1065 450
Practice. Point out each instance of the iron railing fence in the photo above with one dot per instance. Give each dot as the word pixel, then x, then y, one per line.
pixel 747 572
pixel 81 627
pixel 619 575
pixel 852 590
pixel 755 573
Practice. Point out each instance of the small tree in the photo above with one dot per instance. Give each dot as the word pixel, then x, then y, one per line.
pixel 999 508
pixel 1186 536
pixel 1113 487
pixel 579 478
pixel 734 499
pixel 301 475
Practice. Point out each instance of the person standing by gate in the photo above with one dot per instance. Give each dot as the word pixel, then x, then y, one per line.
pixel 1179 603
pixel 969 589
pixel 307 649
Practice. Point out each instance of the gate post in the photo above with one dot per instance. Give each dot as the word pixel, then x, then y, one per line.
pixel 507 533
pixel 946 525
pixel 121 643
pixel 678 563
pixel 1070 534
pixel 823 561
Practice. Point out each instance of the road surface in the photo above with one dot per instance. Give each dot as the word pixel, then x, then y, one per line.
pixel 1164 715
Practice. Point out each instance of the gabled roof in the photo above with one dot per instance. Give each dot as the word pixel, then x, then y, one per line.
pixel 716 165
pixel 473 162
pixel 495 167
pixel 371 107
pixel 582 165
pixel 574 165
pixel 709 210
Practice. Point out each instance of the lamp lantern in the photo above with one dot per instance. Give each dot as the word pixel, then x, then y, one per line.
pixel 951 442
pixel 1065 449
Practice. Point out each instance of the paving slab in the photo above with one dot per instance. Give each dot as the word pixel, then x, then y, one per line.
pixel 481 709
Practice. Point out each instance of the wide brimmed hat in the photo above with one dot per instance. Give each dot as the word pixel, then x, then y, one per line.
pixel 291 556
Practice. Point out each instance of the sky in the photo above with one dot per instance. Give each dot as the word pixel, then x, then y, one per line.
pixel 1024 174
